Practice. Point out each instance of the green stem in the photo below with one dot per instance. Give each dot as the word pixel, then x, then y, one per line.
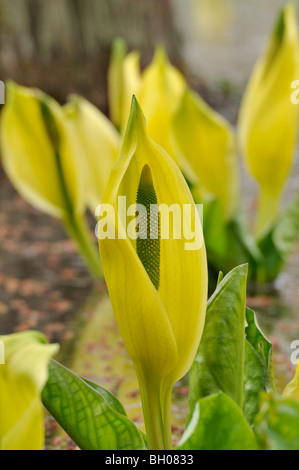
pixel 268 208
pixel 152 413
pixel 167 419
pixel 78 230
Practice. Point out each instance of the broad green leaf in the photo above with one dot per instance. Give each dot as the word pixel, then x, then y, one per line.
pixel 277 425
pixel 110 398
pixel 258 373
pixel 218 424
pixel 280 242
pixel 91 417
pixel 22 378
pixel 219 363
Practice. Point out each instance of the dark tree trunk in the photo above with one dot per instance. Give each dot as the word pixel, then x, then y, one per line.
pixel 63 46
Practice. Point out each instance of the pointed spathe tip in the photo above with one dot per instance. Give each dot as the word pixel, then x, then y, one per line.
pixel 137 117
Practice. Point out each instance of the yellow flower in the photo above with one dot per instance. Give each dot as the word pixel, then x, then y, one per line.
pixel 100 146
pixel 162 87
pixel 41 155
pixel 157 283
pixel 268 119
pixel 204 144
pixel 123 82
pixel 39 152
pixel 22 379
pixel 292 389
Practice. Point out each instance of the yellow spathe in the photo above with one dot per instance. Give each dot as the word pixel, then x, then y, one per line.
pixel 39 152
pixel 22 379
pixel 204 143
pixel 100 144
pixel 158 290
pixel 268 119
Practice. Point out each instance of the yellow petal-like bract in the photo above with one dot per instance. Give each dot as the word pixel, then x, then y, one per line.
pixel 162 87
pixel 124 79
pixel 292 389
pixel 204 144
pixel 39 152
pixel 22 379
pixel 268 119
pixel 100 146
pixel 158 288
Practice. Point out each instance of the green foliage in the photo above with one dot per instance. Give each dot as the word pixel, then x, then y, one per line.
pixel 233 404
pixel 218 424
pixel 230 243
pixel 279 243
pixel 91 416
pixel 277 425
pixel 219 363
pixel 258 370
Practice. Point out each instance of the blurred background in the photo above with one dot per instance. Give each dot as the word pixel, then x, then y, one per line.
pixel 62 47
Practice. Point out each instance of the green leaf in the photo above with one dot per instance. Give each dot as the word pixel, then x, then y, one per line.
pixel 218 424
pixel 277 425
pixel 258 373
pixel 110 398
pixel 280 242
pixel 90 417
pixel 219 363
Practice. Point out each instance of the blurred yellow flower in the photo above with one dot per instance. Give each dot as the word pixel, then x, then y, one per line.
pixel 124 79
pixel 22 379
pixel 162 87
pixel 268 120
pixel 39 152
pixel 292 389
pixel 100 146
pixel 205 147
pixel 44 160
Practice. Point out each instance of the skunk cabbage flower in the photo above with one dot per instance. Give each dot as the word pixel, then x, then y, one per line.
pixel 268 119
pixel 41 156
pixel 157 283
pixel 123 81
pixel 22 379
pixel 292 389
pixel 162 87
pixel 100 145
pixel 205 147
pixel 39 152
